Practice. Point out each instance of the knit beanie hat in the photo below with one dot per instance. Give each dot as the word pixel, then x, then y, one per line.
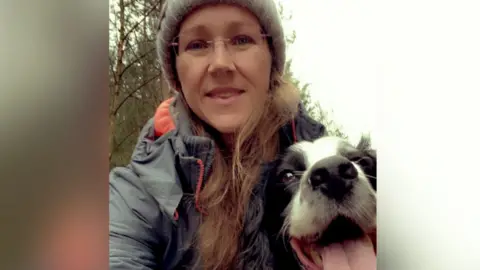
pixel 174 11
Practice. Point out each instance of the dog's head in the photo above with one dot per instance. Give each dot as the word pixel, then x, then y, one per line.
pixel 331 186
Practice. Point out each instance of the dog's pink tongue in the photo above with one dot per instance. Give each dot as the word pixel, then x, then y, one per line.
pixel 349 255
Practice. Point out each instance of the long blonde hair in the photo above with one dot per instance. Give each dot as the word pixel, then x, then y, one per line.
pixel 236 171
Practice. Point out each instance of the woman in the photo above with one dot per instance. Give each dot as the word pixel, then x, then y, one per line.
pixel 192 194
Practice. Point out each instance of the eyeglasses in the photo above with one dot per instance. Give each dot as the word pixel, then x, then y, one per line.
pixel 192 45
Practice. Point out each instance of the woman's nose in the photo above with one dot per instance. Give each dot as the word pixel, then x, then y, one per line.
pixel 221 59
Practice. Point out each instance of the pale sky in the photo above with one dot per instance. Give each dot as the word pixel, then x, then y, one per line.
pixel 333 52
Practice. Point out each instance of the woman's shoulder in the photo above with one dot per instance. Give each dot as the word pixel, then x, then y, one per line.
pixel 144 189
pixel 151 171
pixel 153 165
pixel 151 175
pixel 154 139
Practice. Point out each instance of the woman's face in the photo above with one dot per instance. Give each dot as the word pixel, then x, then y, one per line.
pixel 223 64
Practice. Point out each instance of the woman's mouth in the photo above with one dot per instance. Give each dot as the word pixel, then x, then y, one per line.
pixel 225 96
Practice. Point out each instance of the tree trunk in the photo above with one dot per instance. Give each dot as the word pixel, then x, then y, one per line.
pixel 118 71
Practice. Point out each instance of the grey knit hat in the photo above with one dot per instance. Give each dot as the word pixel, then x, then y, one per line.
pixel 174 11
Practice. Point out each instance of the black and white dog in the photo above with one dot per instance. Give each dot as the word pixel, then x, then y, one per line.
pixel 327 194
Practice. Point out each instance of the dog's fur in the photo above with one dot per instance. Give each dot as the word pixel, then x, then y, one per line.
pixel 292 209
pixel 310 212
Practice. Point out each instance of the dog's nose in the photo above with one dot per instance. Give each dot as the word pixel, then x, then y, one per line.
pixel 333 176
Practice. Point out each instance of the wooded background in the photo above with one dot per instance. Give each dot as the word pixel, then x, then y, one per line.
pixel 136 83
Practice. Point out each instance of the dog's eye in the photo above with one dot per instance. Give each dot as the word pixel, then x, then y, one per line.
pixel 365 162
pixel 288 176
pixel 354 158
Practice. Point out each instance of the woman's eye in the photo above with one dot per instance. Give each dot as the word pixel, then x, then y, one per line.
pixel 197 45
pixel 242 40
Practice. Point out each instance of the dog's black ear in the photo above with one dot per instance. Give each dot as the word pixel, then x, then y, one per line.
pixel 365 146
pixel 365 142
pixel 372 153
pixel 371 170
pixel 280 167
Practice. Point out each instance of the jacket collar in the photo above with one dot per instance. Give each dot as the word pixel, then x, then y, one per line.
pixel 193 154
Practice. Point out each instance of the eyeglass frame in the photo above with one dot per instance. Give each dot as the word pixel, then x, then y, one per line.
pixel 176 44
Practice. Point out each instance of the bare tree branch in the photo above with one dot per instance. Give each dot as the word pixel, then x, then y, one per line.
pixel 138 58
pixel 131 46
pixel 111 69
pixel 132 65
pixel 118 68
pixel 133 92
pixel 120 46
pixel 143 19
pixel 117 146
pixel 113 23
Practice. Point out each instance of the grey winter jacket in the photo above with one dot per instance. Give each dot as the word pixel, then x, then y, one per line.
pixel 151 217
